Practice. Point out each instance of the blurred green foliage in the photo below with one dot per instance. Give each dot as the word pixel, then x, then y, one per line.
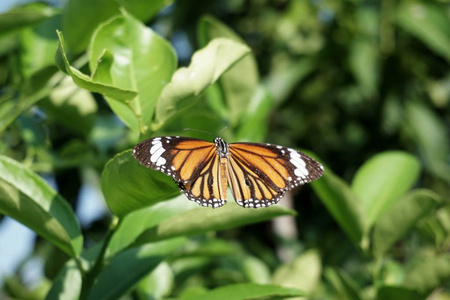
pixel 363 84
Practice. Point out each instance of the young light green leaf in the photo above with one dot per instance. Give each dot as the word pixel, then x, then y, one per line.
pixel 342 203
pixel 400 218
pixel 239 83
pixel 246 291
pixel 128 186
pixel 381 181
pixel 427 21
pixel 140 220
pixel 135 263
pixel 201 220
pixel 27 198
pixel 85 82
pixel 207 65
pixel 142 61
pixel 303 273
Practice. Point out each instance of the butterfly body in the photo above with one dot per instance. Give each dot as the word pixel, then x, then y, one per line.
pixel 258 174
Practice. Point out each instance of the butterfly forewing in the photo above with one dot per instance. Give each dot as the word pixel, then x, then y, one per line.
pixel 193 164
pixel 260 174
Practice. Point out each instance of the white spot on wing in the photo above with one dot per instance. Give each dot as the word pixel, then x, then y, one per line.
pixel 299 164
pixel 157 155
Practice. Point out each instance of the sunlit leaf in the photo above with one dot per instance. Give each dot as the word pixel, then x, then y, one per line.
pixel 203 219
pixel 128 186
pixel 207 65
pixel 239 83
pixel 27 198
pixel 141 61
pixel 247 291
pixel 381 181
pixel 303 273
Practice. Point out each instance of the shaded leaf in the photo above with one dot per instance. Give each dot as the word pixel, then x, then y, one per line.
pixel 27 198
pixel 343 286
pixel 135 263
pixel 428 273
pixel 157 284
pixel 342 203
pixel 428 22
pixel 23 16
pixel 401 217
pixel 397 292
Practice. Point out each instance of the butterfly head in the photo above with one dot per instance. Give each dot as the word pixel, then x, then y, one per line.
pixel 221 146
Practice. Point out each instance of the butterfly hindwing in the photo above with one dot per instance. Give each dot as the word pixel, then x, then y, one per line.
pixel 260 174
pixel 193 164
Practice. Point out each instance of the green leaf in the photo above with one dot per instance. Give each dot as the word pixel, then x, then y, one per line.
pixel 142 61
pixel 381 181
pixel 79 30
pixel 428 22
pixel 135 263
pixel 239 83
pixel 27 198
pixel 128 186
pixel 364 64
pixel 255 123
pixel 144 10
pixel 255 270
pixel 85 82
pixel 201 220
pixel 303 273
pixel 140 220
pixel 157 284
pixel 24 16
pixel 342 203
pixel 38 45
pixel 247 291
pixel 397 292
pixel 343 286
pixel 282 81
pixel 428 273
pixel 207 65
pixel 67 284
pixel 71 107
pixel 401 217
pixel 430 134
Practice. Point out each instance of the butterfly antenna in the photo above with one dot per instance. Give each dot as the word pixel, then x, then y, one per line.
pixel 223 129
pixel 196 130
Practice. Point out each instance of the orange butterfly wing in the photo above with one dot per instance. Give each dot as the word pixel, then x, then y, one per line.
pixel 260 174
pixel 193 164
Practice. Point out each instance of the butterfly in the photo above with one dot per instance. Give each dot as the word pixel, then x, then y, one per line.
pixel 259 174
